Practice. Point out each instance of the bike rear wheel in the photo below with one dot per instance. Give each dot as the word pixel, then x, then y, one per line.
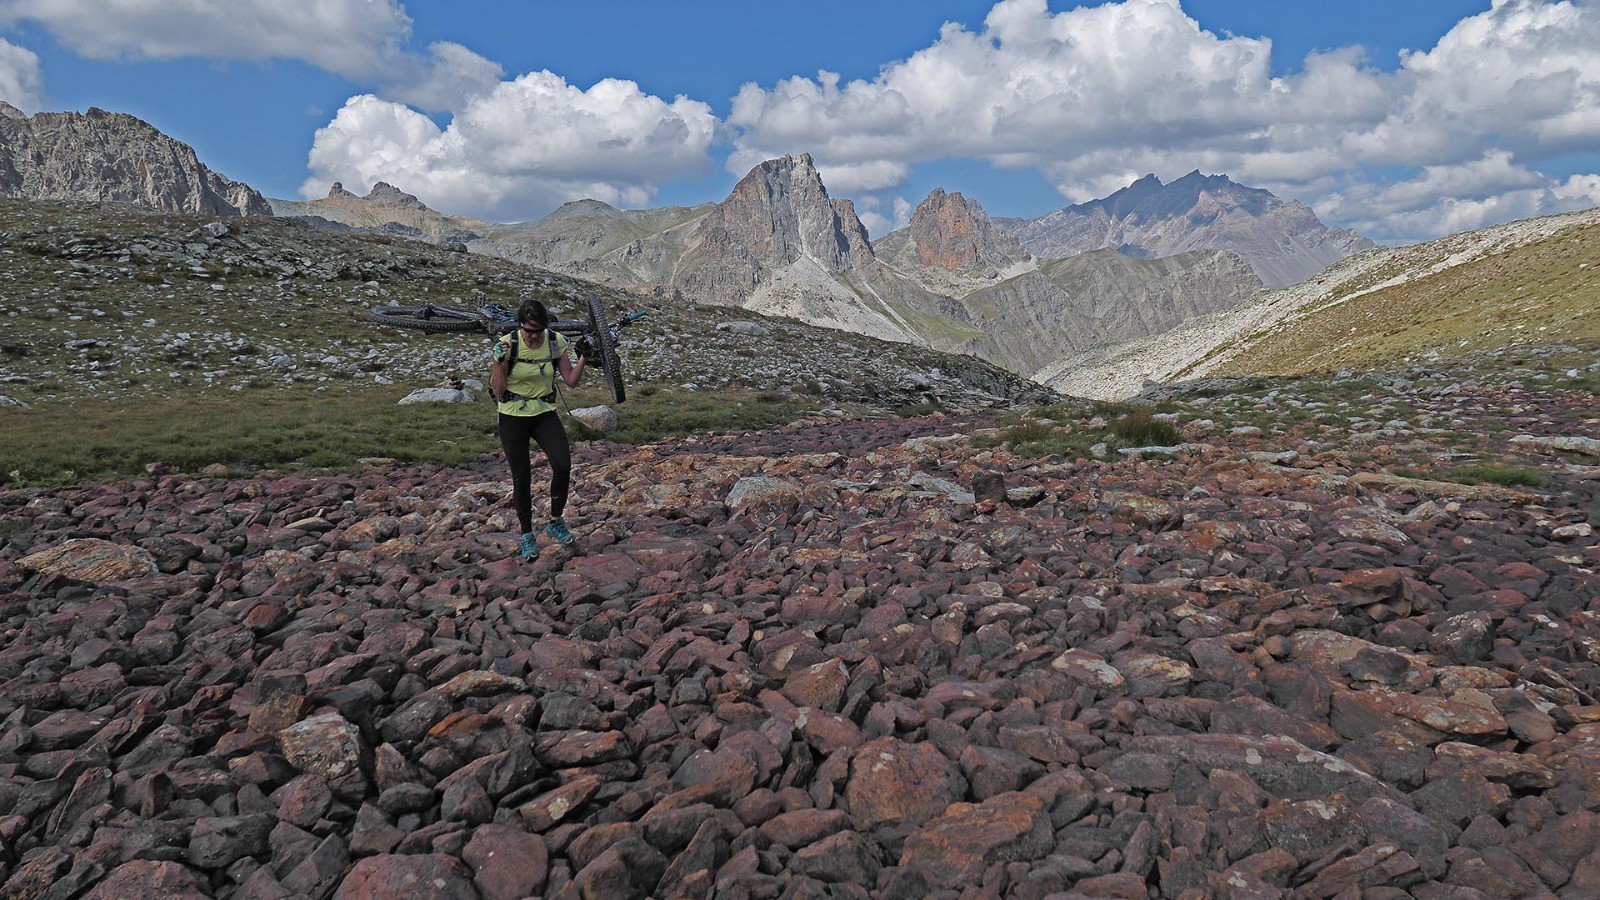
pixel 424 318
pixel 600 334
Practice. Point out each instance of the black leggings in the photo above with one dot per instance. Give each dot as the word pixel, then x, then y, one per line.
pixel 544 429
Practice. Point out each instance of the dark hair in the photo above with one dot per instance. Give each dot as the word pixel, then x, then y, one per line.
pixel 533 311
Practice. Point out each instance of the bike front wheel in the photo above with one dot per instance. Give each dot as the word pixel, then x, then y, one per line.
pixel 600 334
pixel 425 318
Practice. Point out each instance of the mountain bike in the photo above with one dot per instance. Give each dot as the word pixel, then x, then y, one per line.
pixel 595 339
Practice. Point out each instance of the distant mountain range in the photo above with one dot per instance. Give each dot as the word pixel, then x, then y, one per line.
pixel 1283 241
pixel 1019 292
pixel 385 208
pixel 951 279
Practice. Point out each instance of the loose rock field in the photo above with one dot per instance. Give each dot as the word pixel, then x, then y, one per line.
pixel 834 659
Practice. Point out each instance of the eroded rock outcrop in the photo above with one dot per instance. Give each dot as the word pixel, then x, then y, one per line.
pixel 951 232
pixel 103 156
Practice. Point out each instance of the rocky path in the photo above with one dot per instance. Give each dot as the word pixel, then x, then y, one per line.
pixel 831 660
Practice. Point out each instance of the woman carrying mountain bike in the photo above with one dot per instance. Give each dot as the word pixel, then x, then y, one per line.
pixel 522 381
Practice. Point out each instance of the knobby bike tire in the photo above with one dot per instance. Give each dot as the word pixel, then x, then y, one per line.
pixel 609 362
pixel 410 317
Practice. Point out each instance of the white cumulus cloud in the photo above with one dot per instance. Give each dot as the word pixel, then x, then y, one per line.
pixel 519 149
pixel 363 40
pixel 1096 96
pixel 21 85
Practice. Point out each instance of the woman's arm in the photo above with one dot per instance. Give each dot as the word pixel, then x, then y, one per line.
pixel 571 372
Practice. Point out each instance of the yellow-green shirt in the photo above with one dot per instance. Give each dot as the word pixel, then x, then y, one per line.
pixel 534 376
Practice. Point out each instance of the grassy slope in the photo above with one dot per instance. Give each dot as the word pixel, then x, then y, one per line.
pixel 139 396
pixel 1545 292
pixel 50 445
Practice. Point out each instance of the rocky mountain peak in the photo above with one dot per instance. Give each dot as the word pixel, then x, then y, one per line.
pixel 337 192
pixel 585 207
pixel 778 213
pixel 104 156
pixel 386 194
pixel 952 232
pixel 1122 202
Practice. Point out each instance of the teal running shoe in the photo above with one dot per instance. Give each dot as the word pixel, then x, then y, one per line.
pixel 557 530
pixel 530 548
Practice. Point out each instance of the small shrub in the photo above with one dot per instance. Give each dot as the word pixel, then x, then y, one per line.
pixel 1108 408
pixel 1028 433
pixel 924 408
pixel 1490 473
pixel 1056 412
pixel 1067 444
pixel 1140 429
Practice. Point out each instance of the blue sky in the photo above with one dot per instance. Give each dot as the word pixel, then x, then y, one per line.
pixel 503 110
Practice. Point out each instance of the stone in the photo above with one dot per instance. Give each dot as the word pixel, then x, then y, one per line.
pixel 759 489
pixel 324 745
pixel 989 486
pixel 745 329
pixel 280 701
pixel 597 418
pixel 820 686
pixel 552 807
pixel 437 395
pixel 1571 444
pixel 1284 767
pixel 149 880
pixel 800 827
pixel 506 863
pixel 420 877
pixel 628 868
pixel 965 839
pixel 216 842
pixel 893 783
pixel 1467 638
pixel 92 560
pixel 845 856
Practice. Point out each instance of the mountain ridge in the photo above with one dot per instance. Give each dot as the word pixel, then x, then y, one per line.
pixel 112 157
pixel 954 279
pixel 1283 241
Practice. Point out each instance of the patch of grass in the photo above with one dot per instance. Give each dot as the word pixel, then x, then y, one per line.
pixel 926 407
pixel 1071 445
pixel 1057 412
pixel 1490 473
pixel 97 439
pixel 1140 429
pixel 1111 408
